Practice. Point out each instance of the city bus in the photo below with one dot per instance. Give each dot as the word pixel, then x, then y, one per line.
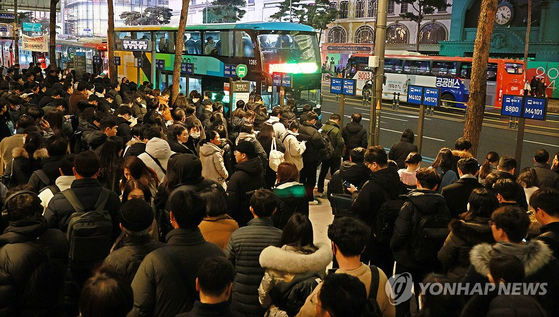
pixel 67 49
pixel 450 74
pixel 215 50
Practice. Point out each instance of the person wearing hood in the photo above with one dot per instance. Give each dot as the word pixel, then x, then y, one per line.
pixel 470 230
pixel 293 148
pixel 211 157
pixel 461 148
pixel 384 181
pixel 26 160
pixel 401 149
pixel 157 156
pixel 290 193
pixel 419 203
pixel 509 226
pixel 248 177
pixel 354 135
pixel 33 260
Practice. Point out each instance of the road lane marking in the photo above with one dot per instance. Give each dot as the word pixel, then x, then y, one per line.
pixel 541 143
pixel 425 137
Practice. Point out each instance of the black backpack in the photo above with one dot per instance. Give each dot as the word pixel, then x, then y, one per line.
pixel 372 309
pixel 290 296
pixel 383 227
pixel 89 231
pixel 328 149
pixel 429 234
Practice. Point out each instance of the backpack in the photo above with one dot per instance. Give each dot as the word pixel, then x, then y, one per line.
pixel 428 235
pixel 89 231
pixel 290 296
pixel 383 227
pixel 43 177
pixel 372 309
pixel 328 149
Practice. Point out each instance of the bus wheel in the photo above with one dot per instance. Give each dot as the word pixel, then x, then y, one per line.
pixel 447 100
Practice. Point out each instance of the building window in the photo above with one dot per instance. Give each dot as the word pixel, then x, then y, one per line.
pixel 397 34
pixel 404 7
pixel 360 9
pixel 371 8
pixel 432 33
pixel 390 7
pixel 344 9
pixel 364 34
pixel 337 34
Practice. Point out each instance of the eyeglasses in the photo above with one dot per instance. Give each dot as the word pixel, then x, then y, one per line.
pixel 314 301
pixel 491 223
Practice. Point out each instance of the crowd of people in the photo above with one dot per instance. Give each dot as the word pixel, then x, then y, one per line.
pixel 118 202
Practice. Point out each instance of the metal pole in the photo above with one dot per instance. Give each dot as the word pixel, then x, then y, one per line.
pixel 379 51
pixel 342 110
pixel 154 78
pixel 16 35
pixel 373 119
pixel 420 127
pixel 519 143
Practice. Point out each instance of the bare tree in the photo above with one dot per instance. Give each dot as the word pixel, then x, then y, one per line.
pixel 478 85
pixel 111 42
pixel 179 44
pixel 52 33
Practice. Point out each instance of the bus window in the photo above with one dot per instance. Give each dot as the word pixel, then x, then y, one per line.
pixel 119 36
pixel 225 44
pixel 162 45
pixel 513 68
pixel 417 67
pixel 140 35
pixel 289 53
pixel 466 70
pixel 192 43
pixel 393 66
pixel 444 69
pixel 243 47
pixel 492 72
pixel 212 43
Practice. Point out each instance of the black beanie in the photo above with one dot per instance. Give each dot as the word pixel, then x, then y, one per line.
pixel 136 215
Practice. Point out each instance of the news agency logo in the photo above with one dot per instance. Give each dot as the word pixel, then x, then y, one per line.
pixel 398 288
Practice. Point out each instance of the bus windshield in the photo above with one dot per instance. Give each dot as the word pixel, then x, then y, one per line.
pixel 293 53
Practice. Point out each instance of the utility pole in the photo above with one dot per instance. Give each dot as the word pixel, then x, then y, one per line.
pixel 380 38
pixel 16 35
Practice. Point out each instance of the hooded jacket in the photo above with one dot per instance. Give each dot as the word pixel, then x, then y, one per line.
pixel 50 166
pixel 248 177
pixel 400 150
pixel 285 263
pixel 464 235
pixel 335 136
pixel 309 133
pixel 159 149
pixel 291 199
pixel 420 202
pixel 19 170
pixel 294 149
pixel 354 136
pixel 33 263
pixel 539 265
pixel 213 166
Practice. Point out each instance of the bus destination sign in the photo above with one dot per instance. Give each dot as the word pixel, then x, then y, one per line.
pixel 431 97
pixel 336 85
pixel 415 94
pixel 534 108
pixel 512 106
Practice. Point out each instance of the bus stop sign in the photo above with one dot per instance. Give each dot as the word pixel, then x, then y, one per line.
pixel 242 70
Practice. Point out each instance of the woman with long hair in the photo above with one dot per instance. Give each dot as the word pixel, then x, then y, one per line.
pixel 471 229
pixel 58 123
pixel 291 194
pixel 135 168
pixel 443 165
pixel 217 226
pixel 298 256
pixel 488 166
pixel 177 137
pixel 110 158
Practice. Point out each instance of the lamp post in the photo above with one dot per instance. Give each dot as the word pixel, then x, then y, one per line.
pixel 380 39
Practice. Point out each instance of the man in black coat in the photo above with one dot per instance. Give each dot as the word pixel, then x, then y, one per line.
pixel 505 169
pixel 458 194
pixel 546 177
pixel 354 134
pixel 311 156
pixel 400 150
pixel 49 172
pixel 33 261
pixel 545 204
pixel 123 114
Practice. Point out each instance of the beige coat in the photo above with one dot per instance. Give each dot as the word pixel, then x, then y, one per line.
pixel 213 166
pixel 293 149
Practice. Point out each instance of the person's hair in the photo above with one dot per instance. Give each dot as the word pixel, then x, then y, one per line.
pixel 439 304
pixel 507 163
pixel 335 116
pixel 55 119
pixel 547 199
pixel 247 128
pixel 25 122
pixel 492 157
pixel 23 205
pixel 107 122
pixel 210 135
pixel 293 125
pixel 263 202
pixel 513 220
pixel 221 130
pixel 490 180
pixel 287 172
pixel 506 187
pixel 57 145
pixel 178 114
pixel 311 115
pixel 106 294
pixel 277 110
pixel 214 198
pixel 109 154
pixel 482 204
pixel 215 274
pixel 35 112
pixel 428 178
pixel 139 170
pixel 407 135
pixel 175 131
pixel 350 235
pixel 307 107
pixel 541 156
pixel 67 164
pixel 528 177
pixel 297 232
pixel 87 164
pixel 507 267
pixel 33 142
pixel 356 117
pixel 343 295
pixel 82 85
pixel 188 208
pixel 151 132
pixel 123 110
pixel 468 165
pixel 357 154
pixel 462 144
pixel 413 158
pixel 376 154
pixel 132 184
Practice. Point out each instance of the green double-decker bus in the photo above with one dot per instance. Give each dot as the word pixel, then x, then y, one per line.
pixel 272 51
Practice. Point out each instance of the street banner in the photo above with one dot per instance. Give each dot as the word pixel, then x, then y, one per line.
pixel 35 43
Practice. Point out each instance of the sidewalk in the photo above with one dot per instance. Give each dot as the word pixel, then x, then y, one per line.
pixel 321 216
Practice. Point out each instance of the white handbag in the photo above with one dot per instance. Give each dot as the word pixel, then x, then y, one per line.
pixel 276 157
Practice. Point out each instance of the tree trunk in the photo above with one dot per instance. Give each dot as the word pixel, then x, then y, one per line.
pixel 527 44
pixel 113 75
pixel 52 33
pixel 16 34
pixel 478 84
pixel 417 35
pixel 179 44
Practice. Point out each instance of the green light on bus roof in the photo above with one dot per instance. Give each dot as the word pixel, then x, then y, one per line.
pixel 294 68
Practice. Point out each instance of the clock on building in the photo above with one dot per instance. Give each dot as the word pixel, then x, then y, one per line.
pixel 505 12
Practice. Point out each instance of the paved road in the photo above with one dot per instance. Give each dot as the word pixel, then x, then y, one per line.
pixel 444 128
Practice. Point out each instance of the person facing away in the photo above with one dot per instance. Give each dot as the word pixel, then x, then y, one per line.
pixel 354 134
pixel 341 295
pixel 545 205
pixel 545 176
pixel 243 250
pixel 106 294
pixel 214 283
pixel 401 149
pixel 165 284
pixel 458 193
pixel 506 169
pixel 217 226
pixel 290 193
